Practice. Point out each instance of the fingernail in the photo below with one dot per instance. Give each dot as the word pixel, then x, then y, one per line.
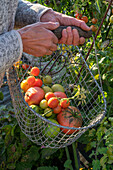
pixel 57 23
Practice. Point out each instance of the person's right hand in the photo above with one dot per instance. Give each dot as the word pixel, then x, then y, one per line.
pixel 38 39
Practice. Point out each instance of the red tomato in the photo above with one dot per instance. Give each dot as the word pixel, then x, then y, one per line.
pixel 94 20
pixel 53 102
pixel 48 95
pixel 57 109
pixel 34 95
pixel 60 94
pixel 35 71
pixel 85 19
pixel 70 117
pixel 38 83
pixel 64 103
pixel 25 66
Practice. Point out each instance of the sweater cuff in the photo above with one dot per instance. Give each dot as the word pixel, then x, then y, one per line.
pixel 20 42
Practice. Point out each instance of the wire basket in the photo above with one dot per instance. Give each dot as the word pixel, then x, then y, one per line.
pixel 67 67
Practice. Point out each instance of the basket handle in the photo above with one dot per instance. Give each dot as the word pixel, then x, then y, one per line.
pixel 82 33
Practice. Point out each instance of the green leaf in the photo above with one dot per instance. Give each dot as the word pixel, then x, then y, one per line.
pixel 47 152
pixel 98 5
pixel 103 160
pixel 96 164
pixel 102 150
pixel 47 168
pixel 23 166
pixel 67 163
pixel 11 166
pixel 1 95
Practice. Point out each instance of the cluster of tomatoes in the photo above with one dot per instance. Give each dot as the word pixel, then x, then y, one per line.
pixel 50 100
pixel 85 19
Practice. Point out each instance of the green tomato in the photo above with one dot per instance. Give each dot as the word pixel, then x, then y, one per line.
pixel 47 79
pixel 51 130
pixel 35 108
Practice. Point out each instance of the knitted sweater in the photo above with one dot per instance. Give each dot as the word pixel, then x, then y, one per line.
pixel 15 13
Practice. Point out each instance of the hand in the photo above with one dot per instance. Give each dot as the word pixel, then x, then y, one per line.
pixel 38 40
pixel 69 36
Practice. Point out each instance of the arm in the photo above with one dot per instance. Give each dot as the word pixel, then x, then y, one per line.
pixel 28 13
pixel 10 49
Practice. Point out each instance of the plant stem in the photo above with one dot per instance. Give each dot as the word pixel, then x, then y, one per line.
pixel 75 156
pixel 68 157
pixel 55 5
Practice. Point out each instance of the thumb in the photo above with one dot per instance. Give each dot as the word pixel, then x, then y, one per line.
pixel 51 25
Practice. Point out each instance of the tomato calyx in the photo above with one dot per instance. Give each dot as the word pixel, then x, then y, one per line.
pixel 73 113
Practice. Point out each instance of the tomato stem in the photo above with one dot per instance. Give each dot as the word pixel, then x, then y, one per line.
pixel 75 155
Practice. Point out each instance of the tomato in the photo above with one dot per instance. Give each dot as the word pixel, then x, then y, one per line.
pixel 48 95
pixel 51 130
pixel 38 83
pixel 94 28
pixel 47 112
pixel 43 104
pixel 85 19
pixel 111 19
pixel 47 79
pixel 53 102
pixel 57 109
pixel 64 103
pixel 70 117
pixel 94 20
pixel 24 85
pixel 31 80
pixel 60 94
pixel 76 15
pixel 34 95
pixel 35 71
pixel 25 66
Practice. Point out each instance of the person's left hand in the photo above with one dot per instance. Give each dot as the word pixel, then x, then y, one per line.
pixel 69 36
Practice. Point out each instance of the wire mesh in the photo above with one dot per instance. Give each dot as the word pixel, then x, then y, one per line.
pixel 64 66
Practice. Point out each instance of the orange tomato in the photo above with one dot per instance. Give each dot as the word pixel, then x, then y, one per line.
pixel 31 80
pixel 64 103
pixel 57 109
pixel 93 28
pixel 53 102
pixel 35 71
pixel 24 85
pixel 94 20
pixel 85 19
pixel 38 83
pixel 48 95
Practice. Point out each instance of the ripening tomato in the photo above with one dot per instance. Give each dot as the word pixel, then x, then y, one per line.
pixel 64 103
pixel 48 95
pixel 38 83
pixel 25 66
pixel 70 117
pixel 57 109
pixel 93 28
pixel 53 102
pixel 60 94
pixel 85 19
pixel 94 20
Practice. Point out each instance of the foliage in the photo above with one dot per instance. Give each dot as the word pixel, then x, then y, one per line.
pixel 17 152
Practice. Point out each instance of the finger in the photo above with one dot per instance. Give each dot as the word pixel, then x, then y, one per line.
pixel 51 25
pixel 82 25
pixel 69 36
pixel 82 40
pixel 64 37
pixel 75 37
pixel 53 47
